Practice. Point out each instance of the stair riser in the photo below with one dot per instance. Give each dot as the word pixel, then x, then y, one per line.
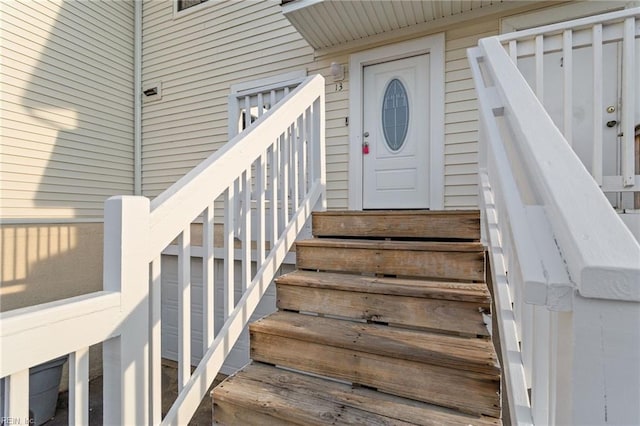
pixel 419 381
pixel 260 393
pixel 442 315
pixel 467 266
pixel 226 413
pixel 427 225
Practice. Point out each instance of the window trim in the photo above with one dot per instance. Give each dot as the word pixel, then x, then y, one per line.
pixel 193 9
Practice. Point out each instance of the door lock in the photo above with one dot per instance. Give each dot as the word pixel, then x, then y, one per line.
pixel 365 134
pixel 611 109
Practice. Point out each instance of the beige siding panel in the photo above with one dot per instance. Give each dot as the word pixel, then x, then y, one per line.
pixel 462 106
pixel 461 116
pixel 465 137
pixel 44 27
pixel 67 110
pixel 461 148
pixel 14 154
pixel 460 96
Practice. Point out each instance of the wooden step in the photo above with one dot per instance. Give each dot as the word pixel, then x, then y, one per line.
pixel 449 371
pixel 443 260
pixel 422 224
pixel 444 306
pixel 265 395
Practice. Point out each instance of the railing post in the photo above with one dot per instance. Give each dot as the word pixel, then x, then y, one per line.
pixel 126 269
pixel 318 159
pixel 605 373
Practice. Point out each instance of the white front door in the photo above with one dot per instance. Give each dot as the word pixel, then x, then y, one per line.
pixel 396 134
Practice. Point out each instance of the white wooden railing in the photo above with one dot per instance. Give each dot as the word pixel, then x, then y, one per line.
pixel 595 100
pixel 565 269
pixel 283 148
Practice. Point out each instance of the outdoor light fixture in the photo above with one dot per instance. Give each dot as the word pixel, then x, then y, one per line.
pixel 337 71
pixel 152 91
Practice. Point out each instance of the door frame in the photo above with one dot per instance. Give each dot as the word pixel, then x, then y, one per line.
pixel 433 45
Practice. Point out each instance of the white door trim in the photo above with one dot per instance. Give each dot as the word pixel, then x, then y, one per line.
pixel 434 46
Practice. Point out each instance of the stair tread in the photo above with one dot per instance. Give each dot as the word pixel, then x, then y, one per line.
pixel 296 398
pixel 467 356
pixel 385 213
pixel 467 292
pixel 392 245
pixel 416 224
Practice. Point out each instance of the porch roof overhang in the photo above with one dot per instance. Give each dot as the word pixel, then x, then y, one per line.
pixel 334 25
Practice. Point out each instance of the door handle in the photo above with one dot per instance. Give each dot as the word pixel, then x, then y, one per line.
pixel 365 134
pixel 612 123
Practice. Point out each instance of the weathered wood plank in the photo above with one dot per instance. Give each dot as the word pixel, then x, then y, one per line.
pixel 469 356
pixel 442 315
pixel 393 245
pixel 284 407
pixel 424 382
pixel 409 259
pixel 288 388
pixel 398 224
pixel 465 292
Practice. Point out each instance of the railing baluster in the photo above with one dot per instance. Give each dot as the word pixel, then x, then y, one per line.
pixel 304 164
pixel 295 144
pixel 318 154
pixel 261 179
pixel 246 229
pixel 513 51
pixel 16 396
pixel 567 63
pixel 260 105
pixel 184 307
pixel 598 108
pixel 539 55
pixel 237 205
pixel 284 160
pixel 229 225
pixel 79 387
pixel 629 95
pixel 208 291
pixel 155 344
pixel 247 111
pixel 527 337
pixel 540 390
pixel 273 185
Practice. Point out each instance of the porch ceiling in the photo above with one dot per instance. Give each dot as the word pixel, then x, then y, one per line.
pixel 329 23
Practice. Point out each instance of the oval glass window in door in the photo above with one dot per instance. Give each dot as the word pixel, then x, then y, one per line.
pixel 395 114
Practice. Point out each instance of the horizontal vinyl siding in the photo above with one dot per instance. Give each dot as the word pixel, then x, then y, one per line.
pixel 236 42
pixel 244 41
pixel 461 116
pixel 67 107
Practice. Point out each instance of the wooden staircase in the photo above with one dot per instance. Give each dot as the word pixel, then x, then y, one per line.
pixel 381 324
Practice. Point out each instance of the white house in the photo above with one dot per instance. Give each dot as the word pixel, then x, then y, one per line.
pixel 108 98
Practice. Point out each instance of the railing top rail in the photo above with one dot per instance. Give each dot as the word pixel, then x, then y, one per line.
pixel 589 21
pixel 602 256
pixel 188 197
pixel 31 327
